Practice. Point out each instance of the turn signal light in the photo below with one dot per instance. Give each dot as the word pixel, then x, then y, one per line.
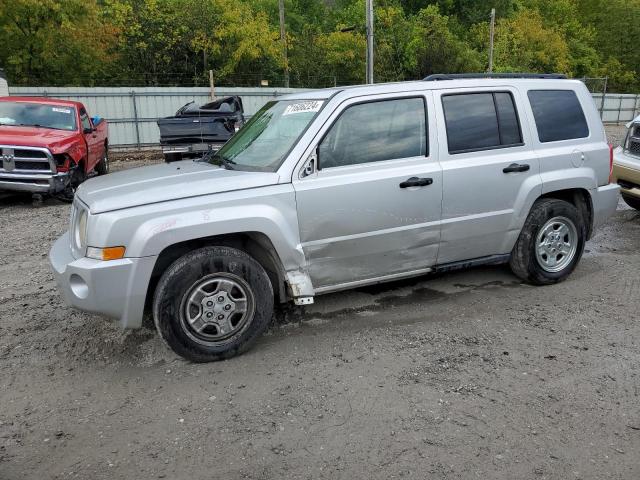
pixel 107 253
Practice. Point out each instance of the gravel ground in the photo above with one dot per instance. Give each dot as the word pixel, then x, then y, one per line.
pixel 465 375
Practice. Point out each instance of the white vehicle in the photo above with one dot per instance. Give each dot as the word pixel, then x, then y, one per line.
pixel 4 87
pixel 333 189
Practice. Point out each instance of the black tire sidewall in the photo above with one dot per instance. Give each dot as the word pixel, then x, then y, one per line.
pixel 102 168
pixel 541 212
pixel 633 202
pixel 190 268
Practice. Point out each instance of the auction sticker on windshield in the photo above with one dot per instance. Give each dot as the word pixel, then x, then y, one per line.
pixel 303 107
pixel 61 110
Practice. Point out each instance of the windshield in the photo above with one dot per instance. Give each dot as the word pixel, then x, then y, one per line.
pixel 16 114
pixel 266 139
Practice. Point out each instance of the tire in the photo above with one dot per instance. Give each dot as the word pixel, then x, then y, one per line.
pixel 550 244
pixel 633 202
pixel 172 157
pixel 202 287
pixel 78 176
pixel 102 168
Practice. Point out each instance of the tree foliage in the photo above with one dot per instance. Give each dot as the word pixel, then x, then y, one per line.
pixel 176 42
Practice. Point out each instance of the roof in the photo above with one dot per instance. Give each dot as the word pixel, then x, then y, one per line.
pixel 421 85
pixel 42 101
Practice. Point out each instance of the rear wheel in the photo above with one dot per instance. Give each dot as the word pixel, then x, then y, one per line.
pixel 550 243
pixel 102 168
pixel 633 202
pixel 213 303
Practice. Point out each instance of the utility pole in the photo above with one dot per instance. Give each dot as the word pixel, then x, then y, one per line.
pixel 491 33
pixel 369 29
pixel 283 39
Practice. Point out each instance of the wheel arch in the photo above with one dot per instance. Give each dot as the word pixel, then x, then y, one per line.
pixel 256 244
pixel 579 198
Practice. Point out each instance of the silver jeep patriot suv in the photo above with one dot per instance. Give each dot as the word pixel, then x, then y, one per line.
pixel 333 189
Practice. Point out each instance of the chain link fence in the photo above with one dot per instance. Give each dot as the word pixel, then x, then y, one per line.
pixel 614 108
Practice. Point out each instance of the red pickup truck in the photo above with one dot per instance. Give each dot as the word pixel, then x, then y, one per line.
pixel 49 146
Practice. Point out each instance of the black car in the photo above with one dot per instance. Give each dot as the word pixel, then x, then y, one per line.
pixel 194 129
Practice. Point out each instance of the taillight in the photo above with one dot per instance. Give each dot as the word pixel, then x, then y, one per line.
pixel 610 163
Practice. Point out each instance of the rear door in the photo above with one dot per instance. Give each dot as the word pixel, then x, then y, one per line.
pixel 489 171
pixel 373 208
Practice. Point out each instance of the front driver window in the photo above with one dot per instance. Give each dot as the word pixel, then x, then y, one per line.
pixel 84 119
pixel 374 132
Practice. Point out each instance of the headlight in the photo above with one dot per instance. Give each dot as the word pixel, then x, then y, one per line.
pixel 80 230
pixel 625 144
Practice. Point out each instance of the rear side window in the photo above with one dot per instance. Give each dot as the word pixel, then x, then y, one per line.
pixel 558 115
pixel 375 132
pixel 481 121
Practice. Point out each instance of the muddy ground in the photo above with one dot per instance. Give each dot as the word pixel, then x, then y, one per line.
pixel 465 375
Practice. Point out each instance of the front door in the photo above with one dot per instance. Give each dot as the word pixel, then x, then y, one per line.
pixel 372 207
pixel 94 145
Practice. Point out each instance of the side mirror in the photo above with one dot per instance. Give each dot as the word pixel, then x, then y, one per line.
pixel 311 164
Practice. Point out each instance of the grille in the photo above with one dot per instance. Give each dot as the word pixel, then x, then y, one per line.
pixel 22 165
pixel 20 159
pixel 29 154
pixel 634 146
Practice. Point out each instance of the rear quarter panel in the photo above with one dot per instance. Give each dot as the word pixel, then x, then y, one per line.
pixel 575 163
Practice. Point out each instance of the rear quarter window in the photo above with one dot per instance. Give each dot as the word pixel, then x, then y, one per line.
pixel 558 115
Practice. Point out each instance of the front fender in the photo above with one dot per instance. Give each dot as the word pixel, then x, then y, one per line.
pixel 148 230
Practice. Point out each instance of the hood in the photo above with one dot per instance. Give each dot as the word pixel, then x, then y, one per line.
pixel 164 182
pixel 35 137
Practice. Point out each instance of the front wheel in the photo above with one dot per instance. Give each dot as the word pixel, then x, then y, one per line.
pixel 76 177
pixel 213 303
pixel 550 244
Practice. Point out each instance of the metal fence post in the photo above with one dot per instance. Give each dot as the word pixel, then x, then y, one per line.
pixel 135 117
pixel 604 94
pixel 619 110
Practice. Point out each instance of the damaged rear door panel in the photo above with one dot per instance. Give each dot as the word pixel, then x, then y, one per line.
pixel 372 207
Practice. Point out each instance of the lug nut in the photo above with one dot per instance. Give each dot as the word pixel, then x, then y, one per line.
pixel 209 314
pixel 227 307
pixel 221 298
pixel 220 317
pixel 209 303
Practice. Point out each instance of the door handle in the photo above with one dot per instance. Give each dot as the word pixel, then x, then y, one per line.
pixel 416 182
pixel 516 167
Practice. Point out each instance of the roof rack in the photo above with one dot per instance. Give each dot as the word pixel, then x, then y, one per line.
pixel 459 76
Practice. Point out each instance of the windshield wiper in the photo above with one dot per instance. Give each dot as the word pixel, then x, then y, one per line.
pixel 220 160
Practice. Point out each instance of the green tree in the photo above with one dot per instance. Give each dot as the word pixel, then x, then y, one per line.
pixel 54 42
pixel 436 49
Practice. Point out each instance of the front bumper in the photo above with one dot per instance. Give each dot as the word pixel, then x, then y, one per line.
pixel 605 201
pixel 626 172
pixel 115 288
pixel 35 183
